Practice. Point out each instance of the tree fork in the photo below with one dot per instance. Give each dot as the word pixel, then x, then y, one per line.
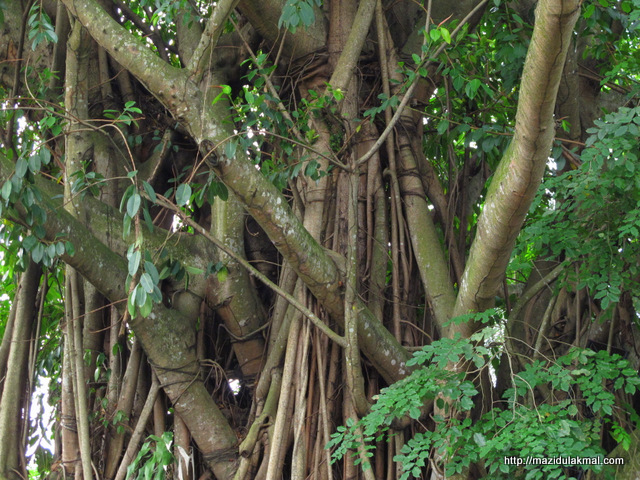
pixel 315 266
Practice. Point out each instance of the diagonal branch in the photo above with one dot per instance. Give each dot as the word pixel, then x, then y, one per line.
pixel 316 266
pixel 167 336
pixel 348 59
pixel 520 171
pixel 210 36
pixel 255 272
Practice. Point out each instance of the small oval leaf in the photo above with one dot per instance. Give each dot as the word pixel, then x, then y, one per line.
pixel 183 194
pixel 134 262
pixel 141 296
pixel 146 282
pixel 151 269
pixel 133 204
pixel 150 191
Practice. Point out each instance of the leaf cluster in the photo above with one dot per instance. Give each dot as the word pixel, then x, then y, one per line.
pixel 153 459
pixel 591 215
pixel 162 16
pixel 298 12
pixel 20 190
pixel 258 118
pixel 146 292
pixel 40 27
pixel 519 427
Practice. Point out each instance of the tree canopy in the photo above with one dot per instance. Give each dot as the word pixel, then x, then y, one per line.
pixel 304 239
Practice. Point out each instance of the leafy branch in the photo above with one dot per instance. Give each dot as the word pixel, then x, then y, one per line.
pixel 517 429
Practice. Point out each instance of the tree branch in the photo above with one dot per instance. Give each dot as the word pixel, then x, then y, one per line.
pixel 210 36
pixel 167 336
pixel 520 171
pixel 316 266
pixel 256 273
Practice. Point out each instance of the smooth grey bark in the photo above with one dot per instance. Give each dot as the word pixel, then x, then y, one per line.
pixel 235 298
pixel 78 144
pixel 125 405
pixel 70 454
pixel 520 171
pixel 14 394
pixel 5 346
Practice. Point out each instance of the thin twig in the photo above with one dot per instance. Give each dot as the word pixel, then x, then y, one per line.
pixel 408 94
pixel 323 327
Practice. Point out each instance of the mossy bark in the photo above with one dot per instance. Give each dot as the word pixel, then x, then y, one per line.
pixel 205 122
pixel 15 394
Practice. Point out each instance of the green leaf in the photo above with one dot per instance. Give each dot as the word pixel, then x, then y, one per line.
pixel 446 36
pixel 193 270
pixel 183 194
pixel 37 253
pixel 337 94
pixel 6 190
pixel 151 269
pixel 471 89
pixel 126 226
pixel 29 242
pixel 127 194
pixel 306 13
pixel 164 273
pixel 147 219
pixel 133 204
pixel 216 99
pixel 35 162
pixel 466 403
pixel 219 189
pixel 443 126
pixel 145 309
pixel 150 191
pixel 230 148
pixel 141 295
pixel 480 440
pixel 134 262
pixel 131 305
pixel 147 282
pixel 21 167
